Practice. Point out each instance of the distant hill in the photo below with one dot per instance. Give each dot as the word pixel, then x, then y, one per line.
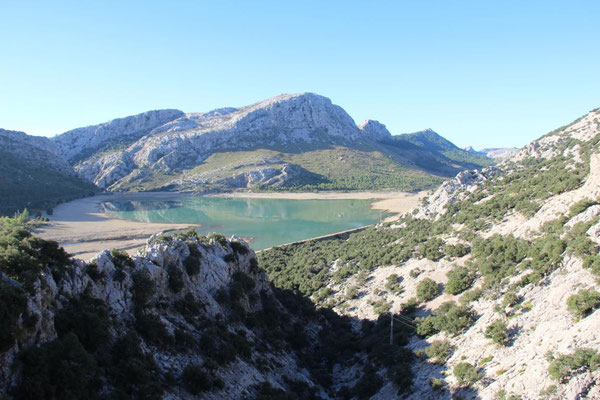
pixel 288 142
pixel 34 176
pixel 495 153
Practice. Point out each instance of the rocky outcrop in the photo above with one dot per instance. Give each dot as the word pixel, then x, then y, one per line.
pixel 454 190
pixel 83 142
pixel 375 130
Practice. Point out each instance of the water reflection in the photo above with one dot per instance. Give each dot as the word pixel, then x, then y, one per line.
pixel 268 221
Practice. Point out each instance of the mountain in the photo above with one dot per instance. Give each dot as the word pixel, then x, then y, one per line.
pixel 34 175
pixel 499 153
pixel 496 275
pixel 288 142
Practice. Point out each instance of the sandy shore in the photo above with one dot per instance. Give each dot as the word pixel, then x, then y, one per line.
pixel 84 230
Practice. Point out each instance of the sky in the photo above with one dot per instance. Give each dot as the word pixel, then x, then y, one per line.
pixel 480 73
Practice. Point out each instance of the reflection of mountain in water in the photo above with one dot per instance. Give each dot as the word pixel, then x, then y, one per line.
pixel 269 221
pixel 143 205
pixel 218 209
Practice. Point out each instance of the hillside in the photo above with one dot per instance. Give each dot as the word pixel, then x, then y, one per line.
pixel 34 176
pixel 288 142
pixel 496 274
pixel 191 317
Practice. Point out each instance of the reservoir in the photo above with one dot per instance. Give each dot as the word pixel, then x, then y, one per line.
pixel 262 222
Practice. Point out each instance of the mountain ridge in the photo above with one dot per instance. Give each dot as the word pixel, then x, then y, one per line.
pixel 288 123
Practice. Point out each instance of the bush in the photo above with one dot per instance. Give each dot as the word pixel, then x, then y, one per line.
pixel 583 303
pixel 439 351
pixel 175 279
pixel 511 299
pixel 459 280
pixel 470 296
pixel 152 329
pixel 393 285
pixel 13 302
pixel 497 331
pixel 134 374
pixel 121 258
pixel 61 369
pixel 427 290
pixel 192 262
pixel 88 319
pixel 466 374
pixel 143 288
pixel 561 367
pixel 196 380
pixel 448 317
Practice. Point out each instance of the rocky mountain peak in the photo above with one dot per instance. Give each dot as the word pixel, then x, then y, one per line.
pixel 82 141
pixel 375 130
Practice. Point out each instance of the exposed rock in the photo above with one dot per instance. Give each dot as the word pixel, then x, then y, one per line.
pixel 375 130
pixel 454 190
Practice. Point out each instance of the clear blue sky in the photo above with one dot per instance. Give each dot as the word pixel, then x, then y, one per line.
pixel 486 73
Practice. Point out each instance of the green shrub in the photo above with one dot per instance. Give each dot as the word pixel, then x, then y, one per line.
pixel 470 296
pixel 87 318
pixel 152 329
pixel 498 332
pixel 222 240
pixel 381 307
pixel 562 366
pixel 143 288
pixel 504 395
pixel 121 258
pixel 449 318
pixel 583 303
pixel 13 303
pixel 239 248
pixel 459 280
pixel 135 374
pixel 511 299
pixel 466 374
pixel 175 279
pixel 192 262
pixel 196 380
pixel 581 206
pixel 61 369
pixel 393 284
pixel 427 290
pixel 439 351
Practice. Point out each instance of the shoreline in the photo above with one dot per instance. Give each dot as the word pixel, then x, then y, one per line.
pixel 84 230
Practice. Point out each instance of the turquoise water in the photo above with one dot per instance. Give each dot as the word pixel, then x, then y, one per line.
pixel 263 222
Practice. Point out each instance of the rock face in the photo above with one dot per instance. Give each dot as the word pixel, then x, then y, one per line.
pixel 182 142
pixel 81 142
pixel 375 130
pixel 455 190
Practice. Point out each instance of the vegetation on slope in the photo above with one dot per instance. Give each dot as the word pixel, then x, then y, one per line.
pixel 28 184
